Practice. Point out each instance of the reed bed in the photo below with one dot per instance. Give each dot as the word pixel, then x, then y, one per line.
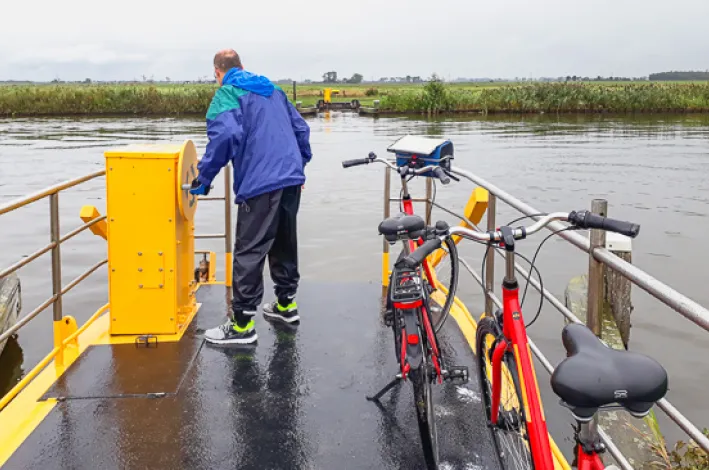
pixel 434 97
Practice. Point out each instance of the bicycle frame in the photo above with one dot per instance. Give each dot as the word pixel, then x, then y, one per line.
pixel 425 317
pixel 515 340
pixel 590 461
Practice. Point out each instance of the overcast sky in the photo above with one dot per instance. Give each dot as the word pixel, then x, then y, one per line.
pixel 69 39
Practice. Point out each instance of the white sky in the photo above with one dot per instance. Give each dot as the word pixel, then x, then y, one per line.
pixel 70 39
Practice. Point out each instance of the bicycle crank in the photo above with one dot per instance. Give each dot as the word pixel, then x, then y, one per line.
pixel 456 374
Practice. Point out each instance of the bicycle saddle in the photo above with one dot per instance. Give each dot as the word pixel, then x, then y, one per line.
pixel 594 375
pixel 402 225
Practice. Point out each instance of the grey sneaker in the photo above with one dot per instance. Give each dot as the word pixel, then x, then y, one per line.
pixel 288 314
pixel 230 333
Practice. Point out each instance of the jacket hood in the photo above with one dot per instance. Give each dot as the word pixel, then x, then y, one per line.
pixel 248 81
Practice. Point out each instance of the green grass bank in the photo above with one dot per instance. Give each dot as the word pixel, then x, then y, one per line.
pixel 433 97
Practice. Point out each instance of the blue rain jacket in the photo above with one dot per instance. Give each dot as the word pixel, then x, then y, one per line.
pixel 251 123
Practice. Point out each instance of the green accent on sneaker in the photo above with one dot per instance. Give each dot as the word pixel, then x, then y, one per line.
pixel 243 329
pixel 290 306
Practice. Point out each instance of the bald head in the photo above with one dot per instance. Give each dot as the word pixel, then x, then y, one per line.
pixel 226 60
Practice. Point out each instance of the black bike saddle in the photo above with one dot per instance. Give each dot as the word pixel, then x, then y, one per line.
pixel 594 375
pixel 402 225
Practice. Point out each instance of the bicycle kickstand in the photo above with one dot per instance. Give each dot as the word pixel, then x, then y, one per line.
pixel 386 388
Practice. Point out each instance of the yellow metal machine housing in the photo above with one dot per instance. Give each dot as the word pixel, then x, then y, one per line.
pixel 150 238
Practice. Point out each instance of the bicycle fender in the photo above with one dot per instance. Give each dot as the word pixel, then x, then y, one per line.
pixel 414 354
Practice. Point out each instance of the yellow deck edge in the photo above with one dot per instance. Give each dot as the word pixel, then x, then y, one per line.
pixel 25 412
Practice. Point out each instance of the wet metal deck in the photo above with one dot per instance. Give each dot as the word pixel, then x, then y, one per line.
pixel 295 401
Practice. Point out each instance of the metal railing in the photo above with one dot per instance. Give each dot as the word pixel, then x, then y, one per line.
pixel 55 247
pixel 670 297
pixel 58 291
pixel 227 235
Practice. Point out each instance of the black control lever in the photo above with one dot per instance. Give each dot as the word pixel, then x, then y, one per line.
pixel 455 178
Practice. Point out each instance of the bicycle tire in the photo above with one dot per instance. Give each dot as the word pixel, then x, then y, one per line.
pixel 511 445
pixel 450 287
pixel 423 401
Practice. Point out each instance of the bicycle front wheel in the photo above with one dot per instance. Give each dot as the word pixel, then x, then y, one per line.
pixel 510 434
pixel 423 399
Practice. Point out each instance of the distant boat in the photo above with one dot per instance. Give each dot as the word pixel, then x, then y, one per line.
pixel 10 303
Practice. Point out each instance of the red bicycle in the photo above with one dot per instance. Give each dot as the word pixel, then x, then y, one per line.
pixel 409 307
pixel 592 377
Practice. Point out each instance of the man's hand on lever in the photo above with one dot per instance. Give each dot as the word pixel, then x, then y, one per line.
pixel 198 188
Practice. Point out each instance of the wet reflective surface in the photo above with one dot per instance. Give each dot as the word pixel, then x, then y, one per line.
pixel 653 170
pixel 296 400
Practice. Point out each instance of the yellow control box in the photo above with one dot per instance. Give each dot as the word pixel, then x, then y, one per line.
pixel 150 237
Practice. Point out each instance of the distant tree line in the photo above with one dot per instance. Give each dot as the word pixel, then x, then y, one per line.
pixel 331 77
pixel 674 76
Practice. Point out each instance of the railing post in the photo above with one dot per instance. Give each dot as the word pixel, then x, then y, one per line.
pixel 385 244
pixel 594 317
pixel 56 275
pixel 429 190
pixel 490 256
pixel 228 247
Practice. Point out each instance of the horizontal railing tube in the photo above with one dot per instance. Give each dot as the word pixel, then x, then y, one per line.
pixel 664 293
pixel 682 421
pixel 27 260
pixel 209 235
pixel 12 205
pixel 86 274
pixel 77 231
pixel 24 320
pixel 413 199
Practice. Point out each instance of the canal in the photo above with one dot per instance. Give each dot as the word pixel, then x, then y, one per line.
pixel 653 170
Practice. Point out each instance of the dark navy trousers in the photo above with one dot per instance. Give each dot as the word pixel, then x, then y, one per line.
pixel 265 227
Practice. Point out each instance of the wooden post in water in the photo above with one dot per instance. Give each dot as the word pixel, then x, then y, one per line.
pixel 595 272
pixel 295 94
pixel 617 287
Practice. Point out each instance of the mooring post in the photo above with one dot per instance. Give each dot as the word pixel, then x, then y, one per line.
pixel 595 272
pixel 618 287
pixel 295 94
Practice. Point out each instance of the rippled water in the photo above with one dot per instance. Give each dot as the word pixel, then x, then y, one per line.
pixel 653 170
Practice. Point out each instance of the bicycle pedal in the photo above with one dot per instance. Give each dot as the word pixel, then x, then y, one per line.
pixel 389 318
pixel 457 374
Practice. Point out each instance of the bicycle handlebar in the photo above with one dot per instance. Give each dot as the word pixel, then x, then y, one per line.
pixel 441 175
pixel 437 171
pixel 579 219
pixel 355 162
pixel 586 219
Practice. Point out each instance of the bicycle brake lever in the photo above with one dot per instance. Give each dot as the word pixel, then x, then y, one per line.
pixel 452 176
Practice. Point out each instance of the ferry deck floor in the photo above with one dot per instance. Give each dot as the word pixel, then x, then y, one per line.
pixel 294 401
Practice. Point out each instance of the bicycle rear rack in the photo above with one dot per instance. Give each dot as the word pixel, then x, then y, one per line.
pixel 406 286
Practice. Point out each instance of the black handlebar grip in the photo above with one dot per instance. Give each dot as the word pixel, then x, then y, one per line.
pixel 586 219
pixel 355 162
pixel 416 258
pixel 438 171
